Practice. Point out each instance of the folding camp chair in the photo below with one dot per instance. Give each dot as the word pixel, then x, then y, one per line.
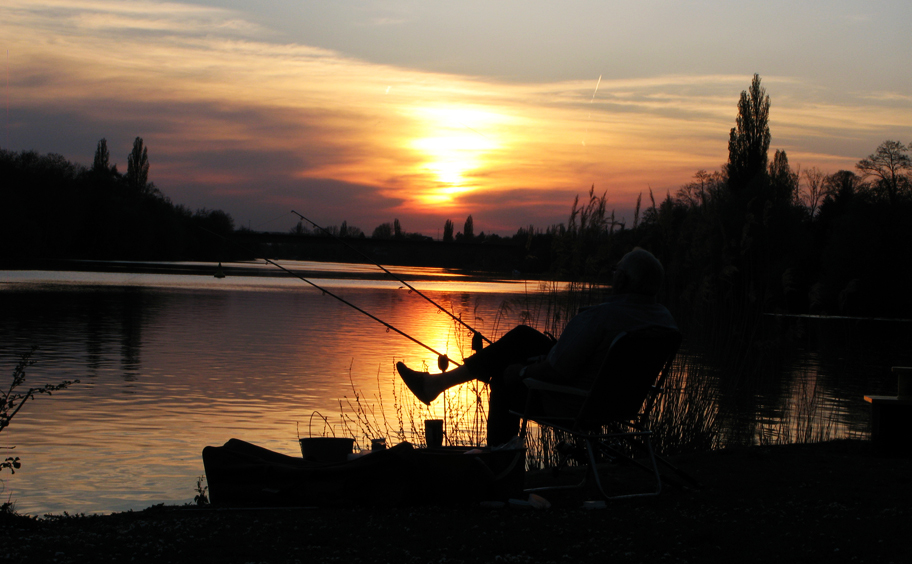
pixel 615 408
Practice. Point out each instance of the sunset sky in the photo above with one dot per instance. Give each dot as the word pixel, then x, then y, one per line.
pixel 424 111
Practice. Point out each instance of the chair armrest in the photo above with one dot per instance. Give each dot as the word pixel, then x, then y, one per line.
pixel 534 384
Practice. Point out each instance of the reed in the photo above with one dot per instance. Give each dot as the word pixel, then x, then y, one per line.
pixel 686 413
pixel 364 420
pixel 808 414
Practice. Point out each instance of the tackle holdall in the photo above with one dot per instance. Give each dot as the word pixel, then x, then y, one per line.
pixel 242 474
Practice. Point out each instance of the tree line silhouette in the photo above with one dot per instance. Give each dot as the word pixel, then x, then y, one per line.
pixel 755 236
pixel 394 231
pixel 52 208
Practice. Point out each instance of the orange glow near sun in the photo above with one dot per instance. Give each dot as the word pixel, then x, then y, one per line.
pixel 455 142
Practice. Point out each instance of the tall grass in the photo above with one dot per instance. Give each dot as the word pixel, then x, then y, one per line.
pixel 807 414
pixel 685 415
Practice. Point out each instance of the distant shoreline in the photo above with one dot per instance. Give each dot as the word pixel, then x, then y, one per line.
pixel 257 268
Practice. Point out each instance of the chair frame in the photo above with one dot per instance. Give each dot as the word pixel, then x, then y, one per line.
pixel 635 420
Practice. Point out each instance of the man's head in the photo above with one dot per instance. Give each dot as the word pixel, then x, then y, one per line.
pixel 638 272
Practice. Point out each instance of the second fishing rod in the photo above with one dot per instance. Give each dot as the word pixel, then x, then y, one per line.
pixel 443 361
pixel 477 337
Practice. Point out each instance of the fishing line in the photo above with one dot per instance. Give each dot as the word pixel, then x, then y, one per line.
pixel 442 359
pixel 410 287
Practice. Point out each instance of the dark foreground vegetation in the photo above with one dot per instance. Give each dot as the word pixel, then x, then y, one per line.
pixel 828 502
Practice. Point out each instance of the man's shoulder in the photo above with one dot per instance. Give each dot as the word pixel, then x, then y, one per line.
pixel 634 301
pixel 640 309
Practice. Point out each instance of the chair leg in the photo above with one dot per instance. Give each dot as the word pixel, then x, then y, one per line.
pixel 567 452
pixel 653 466
pixel 689 480
pixel 562 461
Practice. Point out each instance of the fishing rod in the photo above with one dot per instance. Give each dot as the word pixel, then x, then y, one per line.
pixel 477 337
pixel 442 360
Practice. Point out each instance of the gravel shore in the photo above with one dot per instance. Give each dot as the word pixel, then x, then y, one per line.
pixel 831 502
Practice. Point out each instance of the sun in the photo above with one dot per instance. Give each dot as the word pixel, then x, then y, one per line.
pixel 457 141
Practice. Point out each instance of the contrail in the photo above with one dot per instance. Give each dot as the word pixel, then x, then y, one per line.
pixel 590 102
pixel 596 88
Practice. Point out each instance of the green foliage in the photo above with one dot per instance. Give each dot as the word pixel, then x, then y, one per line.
pixel 13 400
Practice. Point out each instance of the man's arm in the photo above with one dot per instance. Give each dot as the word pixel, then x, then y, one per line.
pixel 541 370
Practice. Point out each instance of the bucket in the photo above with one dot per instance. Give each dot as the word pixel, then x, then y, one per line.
pixel 326 449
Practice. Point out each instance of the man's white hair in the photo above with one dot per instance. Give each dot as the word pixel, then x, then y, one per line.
pixel 644 272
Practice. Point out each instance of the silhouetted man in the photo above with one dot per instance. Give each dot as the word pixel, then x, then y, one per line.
pixel 573 359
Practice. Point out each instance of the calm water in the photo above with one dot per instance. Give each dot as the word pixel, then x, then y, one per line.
pixel 813 387
pixel 171 363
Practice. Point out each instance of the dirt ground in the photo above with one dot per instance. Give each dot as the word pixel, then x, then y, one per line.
pixel 830 502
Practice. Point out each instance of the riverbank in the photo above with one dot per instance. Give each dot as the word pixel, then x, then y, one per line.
pixel 838 501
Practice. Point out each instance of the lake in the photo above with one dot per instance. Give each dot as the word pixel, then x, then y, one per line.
pixel 171 363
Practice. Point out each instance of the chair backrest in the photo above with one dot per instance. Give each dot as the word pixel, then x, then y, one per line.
pixel 636 361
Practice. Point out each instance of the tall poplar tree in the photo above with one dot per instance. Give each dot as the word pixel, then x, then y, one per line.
pixel 468 230
pixel 102 157
pixel 138 166
pixel 749 140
